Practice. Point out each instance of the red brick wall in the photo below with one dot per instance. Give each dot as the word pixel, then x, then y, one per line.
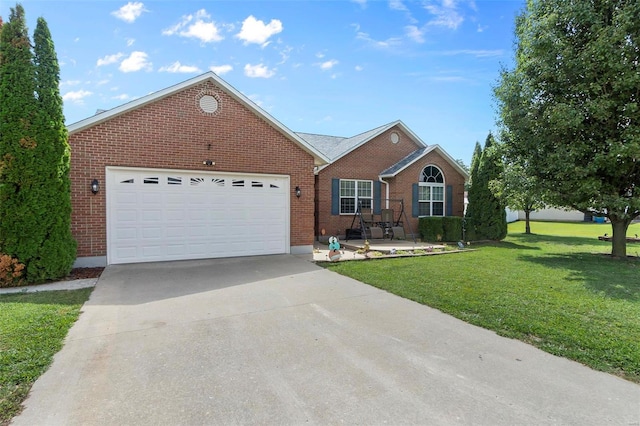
pixel 367 162
pixel 172 133
pixel 401 185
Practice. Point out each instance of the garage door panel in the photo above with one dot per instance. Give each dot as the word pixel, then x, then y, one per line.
pixel 171 215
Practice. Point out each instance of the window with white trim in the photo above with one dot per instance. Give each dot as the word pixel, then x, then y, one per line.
pixel 431 192
pixel 353 192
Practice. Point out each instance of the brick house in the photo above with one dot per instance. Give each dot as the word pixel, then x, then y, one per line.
pixel 388 168
pixel 197 170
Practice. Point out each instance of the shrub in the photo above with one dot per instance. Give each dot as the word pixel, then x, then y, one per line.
pixel 452 226
pixel 11 271
pixel 437 229
pixel 431 229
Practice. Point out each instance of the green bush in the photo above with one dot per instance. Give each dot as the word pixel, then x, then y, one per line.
pixel 452 228
pixel 436 229
pixel 431 229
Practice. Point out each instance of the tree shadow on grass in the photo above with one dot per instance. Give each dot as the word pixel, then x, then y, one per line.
pixel 556 239
pixel 617 279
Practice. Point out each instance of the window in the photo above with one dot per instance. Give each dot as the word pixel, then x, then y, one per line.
pixel 353 192
pixel 431 192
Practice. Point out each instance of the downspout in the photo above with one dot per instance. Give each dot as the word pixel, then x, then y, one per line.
pixel 386 184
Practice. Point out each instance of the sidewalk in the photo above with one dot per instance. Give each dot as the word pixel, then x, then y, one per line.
pixel 60 285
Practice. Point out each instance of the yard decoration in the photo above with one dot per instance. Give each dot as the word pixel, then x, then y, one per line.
pixel 334 249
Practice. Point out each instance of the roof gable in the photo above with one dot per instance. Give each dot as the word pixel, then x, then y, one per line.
pixel 335 147
pixel 419 154
pixel 319 157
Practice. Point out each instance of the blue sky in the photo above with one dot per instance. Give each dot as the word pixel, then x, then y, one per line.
pixel 330 67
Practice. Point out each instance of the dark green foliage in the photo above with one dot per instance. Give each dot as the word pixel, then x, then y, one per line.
pixel 431 229
pixel 472 195
pixel 486 218
pixel 35 201
pixel 571 105
pixel 436 229
pixel 452 226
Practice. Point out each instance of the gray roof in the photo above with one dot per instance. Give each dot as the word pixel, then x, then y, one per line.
pixel 406 161
pixel 334 147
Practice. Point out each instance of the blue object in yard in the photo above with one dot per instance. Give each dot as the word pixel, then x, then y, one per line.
pixel 598 219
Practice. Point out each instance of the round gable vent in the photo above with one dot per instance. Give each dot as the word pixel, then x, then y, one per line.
pixel 208 104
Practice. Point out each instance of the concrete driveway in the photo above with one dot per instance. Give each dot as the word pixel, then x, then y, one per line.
pixel 278 340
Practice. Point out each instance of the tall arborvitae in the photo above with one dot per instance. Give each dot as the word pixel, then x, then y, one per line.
pixel 472 196
pixel 492 224
pixel 34 156
pixel 18 175
pixel 58 250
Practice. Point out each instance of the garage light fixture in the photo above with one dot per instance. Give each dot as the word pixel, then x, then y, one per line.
pixel 298 192
pixel 95 186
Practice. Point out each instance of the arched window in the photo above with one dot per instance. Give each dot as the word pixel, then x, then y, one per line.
pixel 431 192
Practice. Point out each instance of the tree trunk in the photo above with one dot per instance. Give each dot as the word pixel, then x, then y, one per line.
pixel 619 240
pixel 527 226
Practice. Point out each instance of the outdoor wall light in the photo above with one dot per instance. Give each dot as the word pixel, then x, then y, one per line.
pixel 95 186
pixel 298 192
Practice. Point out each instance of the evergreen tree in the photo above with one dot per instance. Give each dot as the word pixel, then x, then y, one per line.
pixel 34 156
pixel 486 218
pixel 17 115
pixel 59 248
pixel 492 223
pixel 472 196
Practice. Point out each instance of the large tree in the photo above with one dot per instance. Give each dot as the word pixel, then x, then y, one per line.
pixel 571 105
pixel 58 249
pixel 34 156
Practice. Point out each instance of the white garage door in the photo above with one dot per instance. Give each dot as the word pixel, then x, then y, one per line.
pixel 155 215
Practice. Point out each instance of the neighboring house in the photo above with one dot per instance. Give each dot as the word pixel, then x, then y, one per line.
pixel 550 215
pixel 388 167
pixel 197 170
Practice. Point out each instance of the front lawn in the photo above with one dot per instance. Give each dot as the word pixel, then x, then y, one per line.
pixel 33 328
pixel 557 289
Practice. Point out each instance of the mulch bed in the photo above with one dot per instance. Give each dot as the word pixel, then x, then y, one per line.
pixel 83 273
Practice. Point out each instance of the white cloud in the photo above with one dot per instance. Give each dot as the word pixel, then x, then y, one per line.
pixel 256 31
pixel 77 96
pixel 177 67
pixel 359 68
pixel 109 59
pixel 445 13
pixel 285 54
pixel 397 5
pixel 130 42
pixel 199 26
pixel 258 70
pixel 221 69
pixel 319 55
pixel 129 12
pixel 378 44
pixel 135 62
pixel 122 97
pixel 70 83
pixel 414 33
pixel 327 65
pixel 362 3
pixel 481 28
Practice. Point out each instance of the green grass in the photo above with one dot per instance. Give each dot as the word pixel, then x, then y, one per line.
pixel 33 329
pixel 557 290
